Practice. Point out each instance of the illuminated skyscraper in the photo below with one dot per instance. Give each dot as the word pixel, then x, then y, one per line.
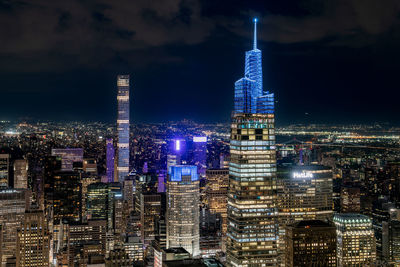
pixel 304 193
pixel 355 240
pixel 123 126
pixel 4 169
pixel 13 203
pixel 216 193
pixel 97 201
pixel 252 215
pixel 150 210
pixel 110 157
pixel 33 243
pixel 183 208
pixel 21 173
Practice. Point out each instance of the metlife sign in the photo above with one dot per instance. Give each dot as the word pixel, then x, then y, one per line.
pixel 303 174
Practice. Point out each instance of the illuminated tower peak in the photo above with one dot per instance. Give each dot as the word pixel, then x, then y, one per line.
pixel 255 34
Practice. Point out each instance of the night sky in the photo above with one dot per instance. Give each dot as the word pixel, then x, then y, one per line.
pixel 327 61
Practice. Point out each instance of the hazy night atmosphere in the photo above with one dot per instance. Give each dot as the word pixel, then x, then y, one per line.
pixel 199 133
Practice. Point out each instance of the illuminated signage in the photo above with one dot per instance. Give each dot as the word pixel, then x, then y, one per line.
pixel 200 139
pixel 303 174
pixel 178 145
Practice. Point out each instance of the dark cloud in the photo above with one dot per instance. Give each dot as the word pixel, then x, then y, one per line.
pixel 81 29
pixel 343 19
pixel 184 56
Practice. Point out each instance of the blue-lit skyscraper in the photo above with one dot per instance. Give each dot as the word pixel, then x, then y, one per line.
pixel 183 200
pixel 123 126
pixel 249 94
pixel 252 236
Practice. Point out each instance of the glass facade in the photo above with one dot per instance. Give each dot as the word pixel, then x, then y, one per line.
pixel 183 209
pixel 97 201
pixel 252 216
pixel 123 126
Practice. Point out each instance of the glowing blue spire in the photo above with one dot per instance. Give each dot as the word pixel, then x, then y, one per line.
pixel 255 34
pixel 249 94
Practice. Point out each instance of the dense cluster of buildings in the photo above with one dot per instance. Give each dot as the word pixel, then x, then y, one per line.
pixel 180 194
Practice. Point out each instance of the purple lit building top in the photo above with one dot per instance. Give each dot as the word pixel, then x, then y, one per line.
pixel 110 154
pixel 178 146
pixel 200 154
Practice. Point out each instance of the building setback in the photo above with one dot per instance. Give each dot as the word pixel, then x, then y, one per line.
pixel 252 218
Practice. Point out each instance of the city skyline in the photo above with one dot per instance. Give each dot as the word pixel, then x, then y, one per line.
pixel 313 67
pixel 249 193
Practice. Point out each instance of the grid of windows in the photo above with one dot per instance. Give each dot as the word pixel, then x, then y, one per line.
pixel 123 126
pixel 355 240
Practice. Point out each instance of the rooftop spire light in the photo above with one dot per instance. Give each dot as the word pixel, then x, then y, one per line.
pixel 255 34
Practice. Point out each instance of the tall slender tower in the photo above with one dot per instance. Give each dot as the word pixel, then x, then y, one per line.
pixel 252 217
pixel 123 126
pixel 110 154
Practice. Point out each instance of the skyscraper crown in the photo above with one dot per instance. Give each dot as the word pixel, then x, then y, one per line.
pixel 249 93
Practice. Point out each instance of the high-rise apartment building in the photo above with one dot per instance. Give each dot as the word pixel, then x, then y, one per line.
pixel 110 159
pixel 4 170
pixel 252 217
pixel 21 173
pixel 216 193
pixel 13 204
pixel 123 126
pixel 33 245
pixel 310 243
pixel 183 202
pixel 355 240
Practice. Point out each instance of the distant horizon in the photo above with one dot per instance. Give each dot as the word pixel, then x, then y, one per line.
pixel 34 120
pixel 317 72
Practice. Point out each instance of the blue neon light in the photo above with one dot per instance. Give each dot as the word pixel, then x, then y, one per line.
pixel 249 94
pixel 176 172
